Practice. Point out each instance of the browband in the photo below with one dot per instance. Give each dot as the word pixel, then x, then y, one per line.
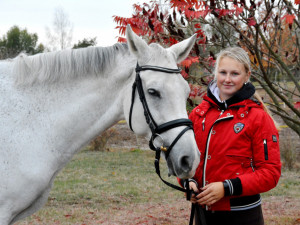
pixel 156 68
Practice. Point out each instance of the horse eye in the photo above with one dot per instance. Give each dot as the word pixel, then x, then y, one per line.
pixel 154 92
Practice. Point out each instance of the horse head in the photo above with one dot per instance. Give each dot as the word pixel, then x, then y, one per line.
pixel 162 115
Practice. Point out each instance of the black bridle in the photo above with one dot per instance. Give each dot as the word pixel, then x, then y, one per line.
pixel 156 130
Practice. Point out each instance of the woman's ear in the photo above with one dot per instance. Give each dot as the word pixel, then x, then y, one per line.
pixel 248 76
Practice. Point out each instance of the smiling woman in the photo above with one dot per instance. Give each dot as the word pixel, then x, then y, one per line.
pixel 231 76
pixel 232 71
pixel 239 142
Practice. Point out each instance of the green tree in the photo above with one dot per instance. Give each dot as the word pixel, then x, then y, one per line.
pixel 86 43
pixel 16 41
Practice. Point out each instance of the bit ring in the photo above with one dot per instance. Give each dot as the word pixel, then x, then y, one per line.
pixel 162 148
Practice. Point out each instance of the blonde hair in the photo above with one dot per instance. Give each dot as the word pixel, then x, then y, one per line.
pixel 235 53
pixel 265 108
pixel 241 56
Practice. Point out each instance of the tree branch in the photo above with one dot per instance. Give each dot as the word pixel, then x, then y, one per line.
pixel 282 64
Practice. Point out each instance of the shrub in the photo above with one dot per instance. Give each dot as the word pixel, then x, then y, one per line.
pixel 288 152
pixel 99 143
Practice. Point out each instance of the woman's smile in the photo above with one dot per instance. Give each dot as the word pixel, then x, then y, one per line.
pixel 231 77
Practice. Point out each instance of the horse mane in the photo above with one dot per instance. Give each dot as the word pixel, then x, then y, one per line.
pixel 66 64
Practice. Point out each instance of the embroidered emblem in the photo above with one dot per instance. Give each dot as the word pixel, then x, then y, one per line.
pixel 238 127
pixel 274 138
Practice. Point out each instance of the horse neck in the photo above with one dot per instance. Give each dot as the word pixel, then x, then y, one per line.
pixel 101 102
pixel 79 110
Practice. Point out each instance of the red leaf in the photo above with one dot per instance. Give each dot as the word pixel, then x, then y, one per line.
pixel 224 12
pixel 158 27
pixel 195 91
pixel 179 4
pixel 197 25
pixel 188 14
pixel 211 61
pixel 202 41
pixel 184 74
pixel 251 21
pixel 137 30
pixel 289 19
pixel 189 61
pixel 201 13
pixel 200 33
pixel 297 2
pixel 137 8
pixel 192 94
pixel 172 41
pixel 239 10
pixel 122 40
pixel 297 106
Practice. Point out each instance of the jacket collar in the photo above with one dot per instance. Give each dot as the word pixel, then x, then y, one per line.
pixel 246 92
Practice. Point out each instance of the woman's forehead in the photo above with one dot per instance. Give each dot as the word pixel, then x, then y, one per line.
pixel 227 62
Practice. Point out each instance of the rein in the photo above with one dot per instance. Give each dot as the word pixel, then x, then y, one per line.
pixel 156 130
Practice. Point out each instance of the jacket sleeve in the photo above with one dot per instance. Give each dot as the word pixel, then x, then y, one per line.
pixel 266 157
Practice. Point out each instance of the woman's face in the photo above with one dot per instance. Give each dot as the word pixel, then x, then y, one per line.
pixel 231 76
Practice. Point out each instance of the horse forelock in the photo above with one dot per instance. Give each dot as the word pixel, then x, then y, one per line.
pixel 66 64
pixel 157 49
pixel 161 55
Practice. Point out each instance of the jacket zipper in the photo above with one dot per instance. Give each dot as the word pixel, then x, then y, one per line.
pixel 208 141
pixel 251 164
pixel 266 149
pixel 207 146
pixel 203 124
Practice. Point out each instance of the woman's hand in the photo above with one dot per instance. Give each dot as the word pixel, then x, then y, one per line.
pixel 210 194
pixel 195 189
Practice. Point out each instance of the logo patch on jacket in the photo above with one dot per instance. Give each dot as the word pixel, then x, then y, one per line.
pixel 238 127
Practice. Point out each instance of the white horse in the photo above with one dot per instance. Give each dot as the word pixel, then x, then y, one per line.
pixel 53 104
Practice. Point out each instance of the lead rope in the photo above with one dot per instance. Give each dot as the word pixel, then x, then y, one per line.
pixel 186 190
pixel 192 215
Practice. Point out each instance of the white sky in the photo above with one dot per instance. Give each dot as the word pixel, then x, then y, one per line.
pixel 90 18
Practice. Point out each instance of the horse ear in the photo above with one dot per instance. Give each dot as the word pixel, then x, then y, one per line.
pixel 183 48
pixel 136 44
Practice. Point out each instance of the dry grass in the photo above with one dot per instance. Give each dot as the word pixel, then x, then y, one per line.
pixel 121 187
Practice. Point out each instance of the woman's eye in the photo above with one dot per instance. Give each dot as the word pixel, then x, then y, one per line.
pixel 154 92
pixel 222 72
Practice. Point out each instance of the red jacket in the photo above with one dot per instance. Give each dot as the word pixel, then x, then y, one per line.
pixel 240 145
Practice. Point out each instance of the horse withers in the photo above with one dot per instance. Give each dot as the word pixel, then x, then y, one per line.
pixel 53 104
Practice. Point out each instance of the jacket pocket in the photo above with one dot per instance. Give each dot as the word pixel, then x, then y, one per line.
pixel 266 149
pixel 238 164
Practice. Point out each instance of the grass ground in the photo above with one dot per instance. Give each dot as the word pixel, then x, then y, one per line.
pixel 121 187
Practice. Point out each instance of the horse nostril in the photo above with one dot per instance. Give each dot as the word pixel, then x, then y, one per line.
pixel 185 163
